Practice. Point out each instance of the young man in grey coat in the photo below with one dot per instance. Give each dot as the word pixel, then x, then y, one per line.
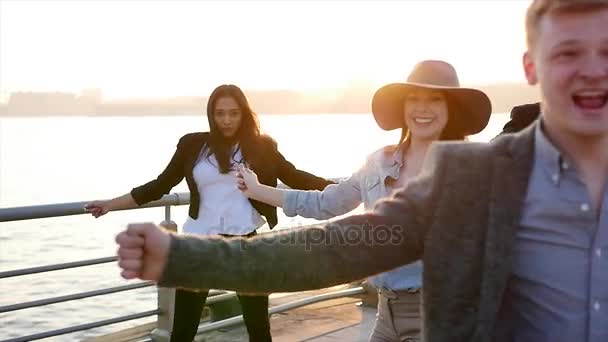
pixel 513 234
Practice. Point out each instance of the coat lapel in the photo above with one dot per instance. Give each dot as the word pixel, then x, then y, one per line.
pixel 512 166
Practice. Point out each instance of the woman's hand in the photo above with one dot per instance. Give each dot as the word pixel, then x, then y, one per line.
pixel 247 180
pixel 97 208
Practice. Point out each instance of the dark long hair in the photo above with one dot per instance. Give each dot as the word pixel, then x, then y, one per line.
pixel 453 129
pixel 247 135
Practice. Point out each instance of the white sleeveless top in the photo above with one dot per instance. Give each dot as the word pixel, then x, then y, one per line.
pixel 223 208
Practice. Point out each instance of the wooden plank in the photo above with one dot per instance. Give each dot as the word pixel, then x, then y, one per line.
pixel 131 334
pixel 306 323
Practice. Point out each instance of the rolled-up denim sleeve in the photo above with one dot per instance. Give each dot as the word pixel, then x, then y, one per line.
pixel 334 200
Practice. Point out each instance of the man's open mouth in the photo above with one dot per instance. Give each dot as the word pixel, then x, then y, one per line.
pixel 590 99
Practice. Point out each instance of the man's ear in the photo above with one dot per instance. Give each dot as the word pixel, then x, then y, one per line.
pixel 529 68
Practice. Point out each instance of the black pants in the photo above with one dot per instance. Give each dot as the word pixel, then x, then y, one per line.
pixel 189 306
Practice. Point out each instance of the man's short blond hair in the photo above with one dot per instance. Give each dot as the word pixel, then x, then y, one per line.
pixel 540 8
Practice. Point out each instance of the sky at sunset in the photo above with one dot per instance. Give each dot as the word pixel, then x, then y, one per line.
pixel 175 48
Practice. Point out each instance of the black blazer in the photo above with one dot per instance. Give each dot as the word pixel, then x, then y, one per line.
pixel 273 166
pixel 521 117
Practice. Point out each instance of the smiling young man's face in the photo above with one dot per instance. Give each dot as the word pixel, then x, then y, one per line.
pixel 569 60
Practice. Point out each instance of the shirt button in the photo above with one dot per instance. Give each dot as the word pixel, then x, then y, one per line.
pixel 555 178
pixel 565 165
pixel 585 207
pixel 598 252
pixel 596 306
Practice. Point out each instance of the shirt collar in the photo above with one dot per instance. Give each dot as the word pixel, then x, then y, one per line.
pixel 397 156
pixel 394 161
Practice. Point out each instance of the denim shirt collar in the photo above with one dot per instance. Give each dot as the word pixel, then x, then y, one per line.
pixel 393 163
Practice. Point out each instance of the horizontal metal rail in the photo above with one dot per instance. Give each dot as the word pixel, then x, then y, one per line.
pixel 215 293
pixel 77 208
pixel 214 296
pixel 284 307
pixel 56 267
pixel 75 296
pixel 82 327
pixel 219 298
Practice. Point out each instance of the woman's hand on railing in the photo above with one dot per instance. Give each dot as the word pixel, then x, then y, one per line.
pixel 98 208
pixel 247 181
pixel 143 251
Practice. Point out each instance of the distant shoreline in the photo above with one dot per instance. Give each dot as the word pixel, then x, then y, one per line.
pixel 156 114
pixel 279 102
pixel 170 115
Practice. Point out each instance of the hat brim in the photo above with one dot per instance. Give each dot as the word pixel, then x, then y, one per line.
pixel 474 106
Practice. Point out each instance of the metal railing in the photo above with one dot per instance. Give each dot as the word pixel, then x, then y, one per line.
pixel 77 208
pixel 75 296
pixel 48 268
pixel 84 327
pixel 165 296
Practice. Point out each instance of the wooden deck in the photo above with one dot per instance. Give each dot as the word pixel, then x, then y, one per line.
pixel 334 320
pixel 341 319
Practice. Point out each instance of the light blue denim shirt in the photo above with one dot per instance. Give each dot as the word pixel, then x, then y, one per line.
pixel 558 288
pixel 369 184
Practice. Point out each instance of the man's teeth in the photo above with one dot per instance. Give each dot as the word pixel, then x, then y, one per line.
pixel 591 99
pixel 592 93
pixel 423 120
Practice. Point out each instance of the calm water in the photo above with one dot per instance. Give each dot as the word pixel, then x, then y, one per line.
pixel 51 160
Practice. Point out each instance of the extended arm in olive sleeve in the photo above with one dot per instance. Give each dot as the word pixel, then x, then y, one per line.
pixel 313 257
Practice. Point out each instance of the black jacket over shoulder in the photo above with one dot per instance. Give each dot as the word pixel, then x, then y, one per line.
pixel 521 117
pixel 273 166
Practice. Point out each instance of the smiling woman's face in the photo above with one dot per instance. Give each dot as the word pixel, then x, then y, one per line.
pixel 426 113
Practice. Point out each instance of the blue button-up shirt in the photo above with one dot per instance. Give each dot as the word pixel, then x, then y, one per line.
pixel 375 180
pixel 558 289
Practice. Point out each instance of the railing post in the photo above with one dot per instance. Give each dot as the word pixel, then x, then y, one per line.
pixel 370 297
pixel 166 296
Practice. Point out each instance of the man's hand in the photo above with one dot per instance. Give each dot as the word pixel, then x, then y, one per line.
pixel 143 251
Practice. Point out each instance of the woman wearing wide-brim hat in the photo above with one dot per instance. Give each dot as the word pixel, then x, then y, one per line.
pixel 429 106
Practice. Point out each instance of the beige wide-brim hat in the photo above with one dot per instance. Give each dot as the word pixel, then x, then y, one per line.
pixel 474 106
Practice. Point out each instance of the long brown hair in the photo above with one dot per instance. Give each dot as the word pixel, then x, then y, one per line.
pixel 247 135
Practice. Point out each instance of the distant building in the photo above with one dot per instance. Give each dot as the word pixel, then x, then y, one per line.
pixel 53 103
pixel 89 100
pixel 42 103
pixel 93 95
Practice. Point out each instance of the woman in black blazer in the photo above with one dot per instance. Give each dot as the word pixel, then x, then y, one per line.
pixel 209 161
